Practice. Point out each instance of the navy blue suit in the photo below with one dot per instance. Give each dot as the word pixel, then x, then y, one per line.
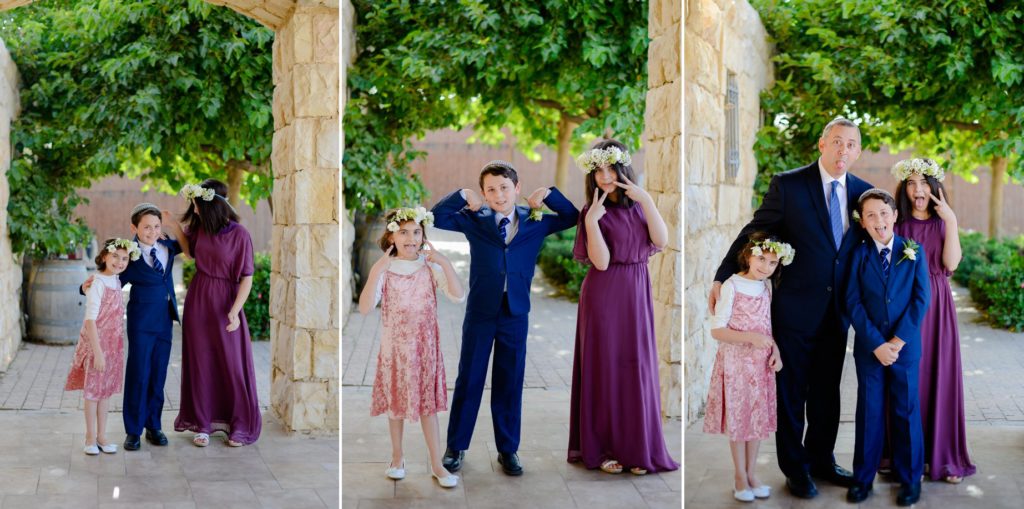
pixel 494 315
pixel 880 308
pixel 152 308
pixel 808 319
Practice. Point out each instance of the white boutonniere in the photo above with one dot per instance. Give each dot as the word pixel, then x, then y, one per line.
pixel 536 214
pixel 910 250
pixel 856 216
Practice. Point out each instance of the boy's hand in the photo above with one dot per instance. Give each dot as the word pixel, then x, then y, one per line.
pixel 433 255
pixel 536 198
pixel 887 353
pixel 88 284
pixel 897 343
pixel 473 200
pixel 99 363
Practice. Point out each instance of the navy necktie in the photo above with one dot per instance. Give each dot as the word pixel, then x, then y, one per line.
pixel 885 261
pixel 502 230
pixel 156 261
pixel 834 215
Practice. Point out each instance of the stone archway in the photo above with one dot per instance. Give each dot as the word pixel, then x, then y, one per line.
pixel 304 276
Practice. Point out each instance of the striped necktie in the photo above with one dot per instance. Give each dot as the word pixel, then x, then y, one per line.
pixel 835 216
pixel 502 230
pixel 885 261
pixel 156 261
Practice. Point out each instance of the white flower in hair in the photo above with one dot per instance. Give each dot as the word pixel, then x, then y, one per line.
pixel 393 226
pixel 921 166
pixel 133 248
pixel 598 157
pixel 193 191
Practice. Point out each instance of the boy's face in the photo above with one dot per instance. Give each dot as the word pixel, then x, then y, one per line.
pixel 500 193
pixel 148 229
pixel 877 217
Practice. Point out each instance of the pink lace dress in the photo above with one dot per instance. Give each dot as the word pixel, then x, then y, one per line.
pixel 410 380
pixel 99 385
pixel 741 399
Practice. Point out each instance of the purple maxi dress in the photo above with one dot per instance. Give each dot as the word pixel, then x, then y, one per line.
pixel 616 399
pixel 941 386
pixel 218 382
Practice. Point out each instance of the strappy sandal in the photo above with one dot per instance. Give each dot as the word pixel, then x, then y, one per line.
pixel 953 479
pixel 232 443
pixel 201 440
pixel 611 467
pixel 638 471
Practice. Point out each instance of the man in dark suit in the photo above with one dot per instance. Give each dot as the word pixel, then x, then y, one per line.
pixel 810 208
pixel 504 242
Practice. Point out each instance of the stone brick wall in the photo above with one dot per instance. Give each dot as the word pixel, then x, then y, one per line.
pixel 10 265
pixel 348 230
pixel 721 36
pixel 662 136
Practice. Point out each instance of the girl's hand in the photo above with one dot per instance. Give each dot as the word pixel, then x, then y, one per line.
pixel 99 363
pixel 761 340
pixel 597 209
pixel 385 261
pixel 775 361
pixel 942 208
pixel 633 191
pixel 233 322
pixel 433 255
pixel 536 198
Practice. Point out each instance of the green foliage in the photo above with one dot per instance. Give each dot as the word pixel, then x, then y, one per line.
pixel 518 66
pixel 257 306
pixel 942 77
pixel 993 271
pixel 171 90
pixel 559 267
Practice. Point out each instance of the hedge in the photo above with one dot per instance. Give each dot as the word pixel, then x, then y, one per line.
pixel 993 272
pixel 561 269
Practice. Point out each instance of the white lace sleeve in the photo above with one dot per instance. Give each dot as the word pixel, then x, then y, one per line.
pixel 723 308
pixel 441 282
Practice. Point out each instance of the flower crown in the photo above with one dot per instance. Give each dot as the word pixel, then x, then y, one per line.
pixel 782 249
pixel 922 166
pixel 193 191
pixel 133 249
pixel 418 214
pixel 598 157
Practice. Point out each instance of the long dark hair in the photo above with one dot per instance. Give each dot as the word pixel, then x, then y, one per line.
pixel 621 170
pixel 213 215
pixel 905 207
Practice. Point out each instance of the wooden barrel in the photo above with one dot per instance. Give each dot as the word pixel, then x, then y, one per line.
pixel 55 308
pixel 367 252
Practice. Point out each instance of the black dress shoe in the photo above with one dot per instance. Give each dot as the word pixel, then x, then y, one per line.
pixel 452 460
pixel 132 443
pixel 834 474
pixel 858 492
pixel 156 437
pixel 510 463
pixel 802 486
pixel 909 494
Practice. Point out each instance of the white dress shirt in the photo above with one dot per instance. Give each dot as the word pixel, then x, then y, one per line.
pixel 161 254
pixel 879 246
pixel 826 181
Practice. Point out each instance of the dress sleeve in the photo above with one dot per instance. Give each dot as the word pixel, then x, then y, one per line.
pixel 723 309
pixel 441 282
pixel 93 298
pixel 579 249
pixel 650 249
pixel 246 265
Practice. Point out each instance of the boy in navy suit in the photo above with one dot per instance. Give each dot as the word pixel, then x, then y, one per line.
pixel 504 242
pixel 887 296
pixel 152 309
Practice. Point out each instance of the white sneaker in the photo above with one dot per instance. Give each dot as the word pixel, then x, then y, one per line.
pixel 743 495
pixel 448 481
pixel 396 473
pixel 91 450
pixel 763 491
pixel 108 448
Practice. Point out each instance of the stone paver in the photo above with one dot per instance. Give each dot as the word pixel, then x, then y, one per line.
pixel 993 363
pixel 549 480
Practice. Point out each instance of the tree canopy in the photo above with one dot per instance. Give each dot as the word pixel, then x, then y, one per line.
pixel 172 91
pixel 942 77
pixel 552 73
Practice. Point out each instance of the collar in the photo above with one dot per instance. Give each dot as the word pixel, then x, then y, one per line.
pixel 879 245
pixel 827 179
pixel 145 247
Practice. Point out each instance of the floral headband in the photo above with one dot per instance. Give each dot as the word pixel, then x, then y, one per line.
pixel 193 191
pixel 922 166
pixel 133 249
pixel 782 249
pixel 598 157
pixel 418 214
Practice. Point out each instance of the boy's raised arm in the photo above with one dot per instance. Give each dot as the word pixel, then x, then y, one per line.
pixel 567 213
pixel 447 214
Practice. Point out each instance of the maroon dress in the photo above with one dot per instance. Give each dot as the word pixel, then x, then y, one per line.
pixel 616 400
pixel 941 384
pixel 218 382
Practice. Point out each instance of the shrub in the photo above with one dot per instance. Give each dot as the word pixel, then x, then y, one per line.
pixel 257 306
pixel 993 271
pixel 561 269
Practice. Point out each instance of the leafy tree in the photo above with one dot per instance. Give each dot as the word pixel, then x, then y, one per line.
pixel 941 77
pixel 552 73
pixel 170 90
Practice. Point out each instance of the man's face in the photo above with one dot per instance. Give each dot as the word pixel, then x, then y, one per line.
pixel 839 149
pixel 877 218
pixel 500 193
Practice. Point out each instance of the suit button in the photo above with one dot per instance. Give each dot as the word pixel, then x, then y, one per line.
pixel 888 301
pixel 829 288
pixel 837 261
pixel 502 273
pixel 885 323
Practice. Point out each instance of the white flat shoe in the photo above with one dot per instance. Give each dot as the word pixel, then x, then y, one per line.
pixel 744 495
pixel 91 450
pixel 396 473
pixel 108 448
pixel 763 491
pixel 448 481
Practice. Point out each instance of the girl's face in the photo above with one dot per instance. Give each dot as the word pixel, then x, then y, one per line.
pixel 116 262
pixel 408 240
pixel 918 191
pixel 762 266
pixel 605 178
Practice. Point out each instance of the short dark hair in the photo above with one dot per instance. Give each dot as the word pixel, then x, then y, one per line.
pixel 499 169
pixel 621 170
pixel 215 214
pixel 146 211
pixel 748 251
pixel 101 263
pixel 384 242
pixel 875 194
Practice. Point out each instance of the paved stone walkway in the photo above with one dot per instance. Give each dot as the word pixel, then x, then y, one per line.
pixel 993 363
pixel 549 480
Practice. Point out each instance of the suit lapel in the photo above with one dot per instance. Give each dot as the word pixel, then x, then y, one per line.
pixel 486 218
pixel 522 215
pixel 817 195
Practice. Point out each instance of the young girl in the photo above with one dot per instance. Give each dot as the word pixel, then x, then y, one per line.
pixel 98 365
pixel 925 217
pixel 410 381
pixel 741 400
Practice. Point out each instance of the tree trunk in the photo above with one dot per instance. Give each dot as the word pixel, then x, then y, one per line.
pixel 235 173
pixel 565 129
pixel 995 203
